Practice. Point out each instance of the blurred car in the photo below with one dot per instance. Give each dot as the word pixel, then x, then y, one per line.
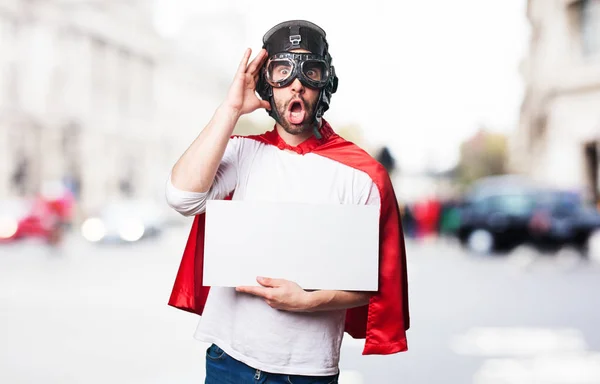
pixel 124 221
pixel 562 218
pixel 505 211
pixel 495 219
pixel 29 218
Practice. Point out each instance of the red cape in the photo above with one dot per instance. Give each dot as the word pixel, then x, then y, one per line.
pixel 384 321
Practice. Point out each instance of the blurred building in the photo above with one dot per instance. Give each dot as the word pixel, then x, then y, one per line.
pixel 92 96
pixel 558 140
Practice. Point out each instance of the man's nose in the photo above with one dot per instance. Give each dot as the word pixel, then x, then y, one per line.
pixel 297 86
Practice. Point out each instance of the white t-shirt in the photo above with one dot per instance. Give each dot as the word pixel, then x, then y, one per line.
pixel 244 326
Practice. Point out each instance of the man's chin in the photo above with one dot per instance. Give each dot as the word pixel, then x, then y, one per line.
pixel 296 129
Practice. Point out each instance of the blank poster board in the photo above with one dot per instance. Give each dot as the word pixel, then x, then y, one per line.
pixel 318 246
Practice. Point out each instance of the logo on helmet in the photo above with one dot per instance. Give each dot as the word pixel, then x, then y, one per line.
pixel 295 39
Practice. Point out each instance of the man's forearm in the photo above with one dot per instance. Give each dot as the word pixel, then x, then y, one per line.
pixel 196 169
pixel 332 300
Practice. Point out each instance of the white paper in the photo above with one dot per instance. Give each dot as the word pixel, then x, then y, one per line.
pixel 317 246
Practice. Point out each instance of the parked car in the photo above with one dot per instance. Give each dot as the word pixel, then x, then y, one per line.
pixel 496 219
pixel 561 218
pixel 505 211
pixel 29 218
pixel 124 221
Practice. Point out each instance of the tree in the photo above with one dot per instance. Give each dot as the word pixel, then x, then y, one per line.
pixel 352 133
pixel 484 154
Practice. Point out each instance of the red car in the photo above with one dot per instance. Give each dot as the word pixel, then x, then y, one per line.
pixel 23 218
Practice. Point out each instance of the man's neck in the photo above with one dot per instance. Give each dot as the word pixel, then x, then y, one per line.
pixel 294 140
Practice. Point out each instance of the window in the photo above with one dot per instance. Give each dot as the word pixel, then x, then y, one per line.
pixel 125 68
pixel 518 204
pixel 99 75
pixel 590 26
pixel 8 64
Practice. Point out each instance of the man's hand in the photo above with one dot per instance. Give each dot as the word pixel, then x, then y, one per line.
pixel 241 97
pixel 289 296
pixel 280 294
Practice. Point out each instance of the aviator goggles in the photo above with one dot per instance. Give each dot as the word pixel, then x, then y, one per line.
pixel 282 68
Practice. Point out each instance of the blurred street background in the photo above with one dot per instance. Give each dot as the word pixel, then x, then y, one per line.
pixel 485 113
pixel 86 314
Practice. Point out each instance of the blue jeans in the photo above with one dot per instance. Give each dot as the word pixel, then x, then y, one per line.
pixel 224 369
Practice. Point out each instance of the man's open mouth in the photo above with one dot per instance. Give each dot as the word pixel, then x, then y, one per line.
pixel 296 112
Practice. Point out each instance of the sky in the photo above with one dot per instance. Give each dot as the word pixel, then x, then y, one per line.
pixel 417 76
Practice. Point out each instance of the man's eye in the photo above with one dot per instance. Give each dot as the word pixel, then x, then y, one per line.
pixel 314 74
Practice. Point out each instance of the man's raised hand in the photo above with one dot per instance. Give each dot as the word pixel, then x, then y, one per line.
pixel 242 97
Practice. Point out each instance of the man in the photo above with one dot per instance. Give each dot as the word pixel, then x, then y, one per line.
pixel 277 332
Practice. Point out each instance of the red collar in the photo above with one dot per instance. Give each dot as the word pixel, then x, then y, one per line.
pixel 306 146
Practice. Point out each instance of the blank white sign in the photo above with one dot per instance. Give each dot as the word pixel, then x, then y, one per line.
pixel 317 246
